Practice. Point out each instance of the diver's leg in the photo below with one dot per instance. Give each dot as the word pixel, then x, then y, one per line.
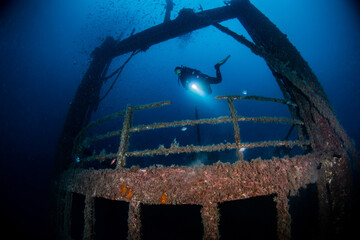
pixel 214 80
pixel 217 67
pixel 218 74
pixel 222 61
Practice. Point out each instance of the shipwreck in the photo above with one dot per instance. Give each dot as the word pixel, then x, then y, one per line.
pixel 325 162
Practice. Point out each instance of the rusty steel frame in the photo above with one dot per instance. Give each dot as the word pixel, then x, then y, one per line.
pixel 319 131
pixel 125 133
pixel 202 185
pixel 328 165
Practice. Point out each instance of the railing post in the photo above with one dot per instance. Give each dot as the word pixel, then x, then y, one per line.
pixel 210 217
pixel 89 217
pixel 134 220
pixel 67 214
pixel 124 140
pixel 233 114
pixel 283 216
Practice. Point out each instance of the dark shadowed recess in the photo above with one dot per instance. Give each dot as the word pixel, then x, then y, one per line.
pixel 171 222
pixel 253 218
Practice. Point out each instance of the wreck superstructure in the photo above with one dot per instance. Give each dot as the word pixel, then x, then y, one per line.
pixel 325 159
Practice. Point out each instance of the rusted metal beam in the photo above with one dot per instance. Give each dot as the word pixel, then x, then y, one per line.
pixel 89 217
pixel 198 185
pixel 124 140
pixel 218 120
pixel 210 218
pixel 67 213
pixel 191 123
pixel 257 98
pixel 206 185
pixel 186 22
pixel 134 221
pixel 175 148
pixel 283 216
pixel 84 102
pixel 236 128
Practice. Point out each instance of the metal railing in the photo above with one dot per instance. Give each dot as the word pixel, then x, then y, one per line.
pixel 122 153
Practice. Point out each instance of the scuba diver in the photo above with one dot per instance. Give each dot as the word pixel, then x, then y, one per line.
pixel 197 81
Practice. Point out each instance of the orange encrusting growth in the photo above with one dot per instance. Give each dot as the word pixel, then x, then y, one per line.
pixel 163 198
pixel 125 192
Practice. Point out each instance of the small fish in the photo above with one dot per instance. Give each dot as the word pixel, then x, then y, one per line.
pixel 242 149
pixel 244 92
pixel 77 159
pixel 183 129
pixel 112 161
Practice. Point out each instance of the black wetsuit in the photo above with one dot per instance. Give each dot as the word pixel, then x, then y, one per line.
pixel 188 74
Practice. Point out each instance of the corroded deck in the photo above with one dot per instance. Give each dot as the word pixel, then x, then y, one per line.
pixel 196 185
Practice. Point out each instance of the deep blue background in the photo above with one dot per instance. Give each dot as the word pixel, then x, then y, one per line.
pixel 44 52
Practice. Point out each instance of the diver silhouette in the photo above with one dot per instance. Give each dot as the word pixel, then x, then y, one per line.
pixel 193 79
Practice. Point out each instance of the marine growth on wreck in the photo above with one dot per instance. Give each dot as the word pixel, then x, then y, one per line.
pixel 318 155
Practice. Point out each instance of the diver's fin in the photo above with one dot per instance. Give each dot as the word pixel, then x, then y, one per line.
pixel 223 61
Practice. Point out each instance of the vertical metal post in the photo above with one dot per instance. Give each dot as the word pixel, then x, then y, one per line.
pixel 134 220
pixel 124 140
pixel 233 114
pixel 67 213
pixel 283 216
pixel 89 217
pixel 210 217
pixel 324 204
pixel 197 127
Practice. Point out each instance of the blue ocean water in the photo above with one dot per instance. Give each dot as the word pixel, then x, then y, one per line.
pixel 45 48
